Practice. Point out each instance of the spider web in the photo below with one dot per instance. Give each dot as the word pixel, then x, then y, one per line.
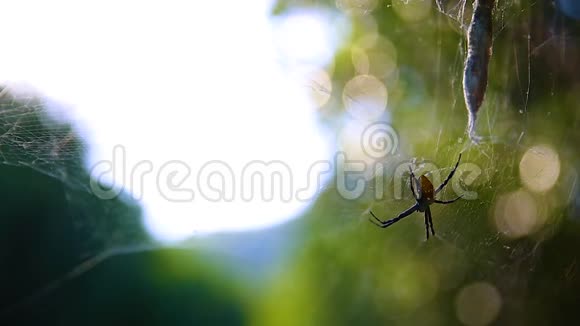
pixel 29 137
pixel 34 137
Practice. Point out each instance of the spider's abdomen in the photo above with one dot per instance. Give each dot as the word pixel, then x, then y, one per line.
pixel 426 188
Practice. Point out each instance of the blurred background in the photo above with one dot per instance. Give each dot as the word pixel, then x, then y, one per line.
pixel 111 114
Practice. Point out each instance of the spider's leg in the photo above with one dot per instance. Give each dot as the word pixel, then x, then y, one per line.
pixel 448 201
pixel 427 225
pixel 418 193
pixel 384 224
pixel 449 176
pixel 411 181
pixel 376 218
pixel 428 212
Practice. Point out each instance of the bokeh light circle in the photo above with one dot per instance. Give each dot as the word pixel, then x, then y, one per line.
pixel 412 10
pixel 360 60
pixel 379 60
pixel 414 284
pixel 478 304
pixel 516 214
pixel 365 97
pixel 540 168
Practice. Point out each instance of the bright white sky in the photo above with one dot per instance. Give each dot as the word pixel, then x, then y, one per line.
pixel 179 80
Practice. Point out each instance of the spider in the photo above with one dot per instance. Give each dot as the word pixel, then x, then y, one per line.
pixel 424 197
